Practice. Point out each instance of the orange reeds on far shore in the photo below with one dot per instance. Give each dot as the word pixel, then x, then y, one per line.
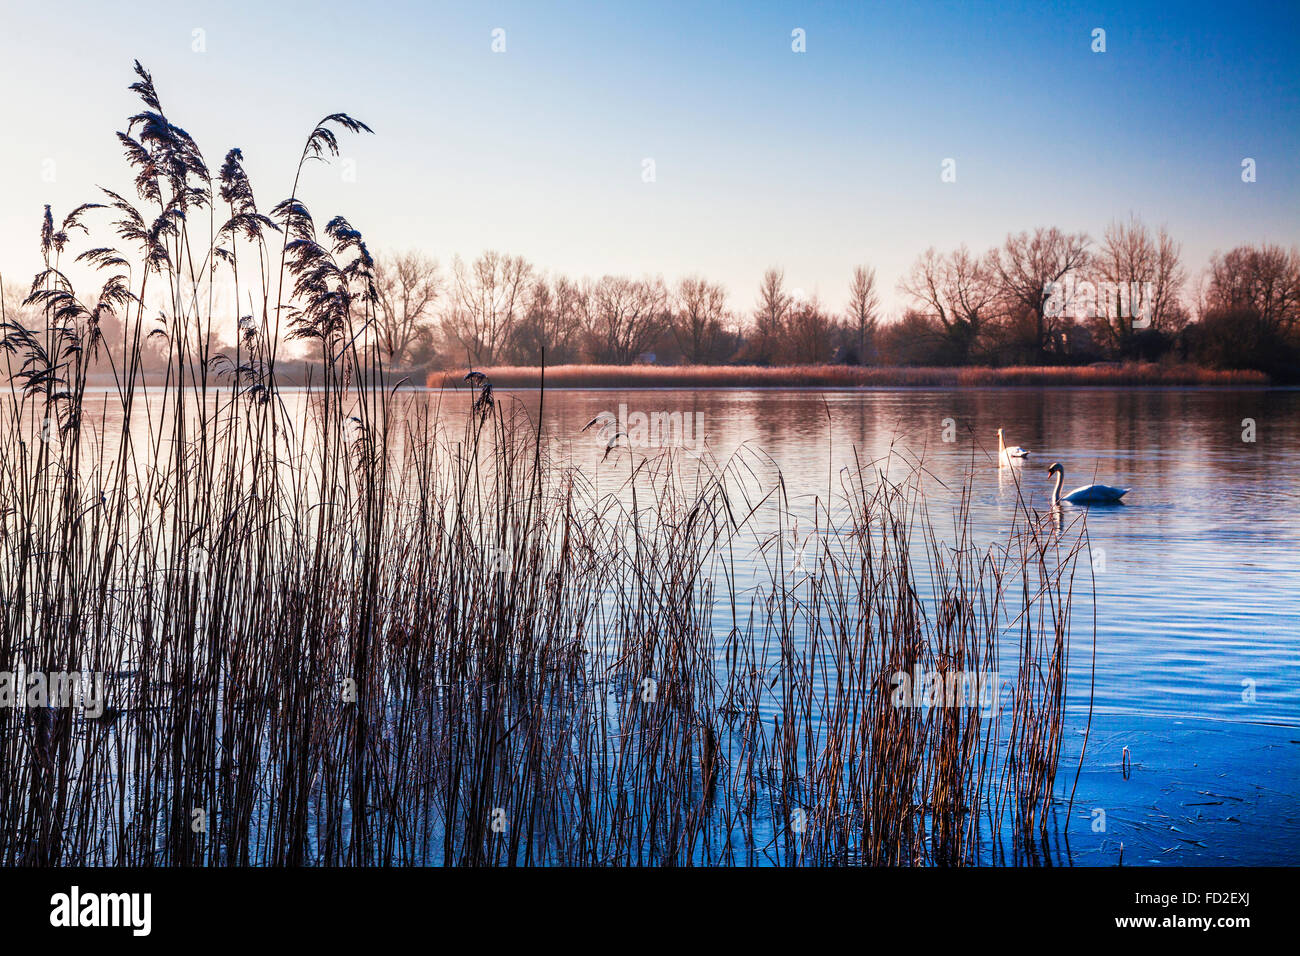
pixel 853 376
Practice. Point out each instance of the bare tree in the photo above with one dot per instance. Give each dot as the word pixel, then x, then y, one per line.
pixel 960 290
pixel 622 317
pixel 1168 311
pixel 1264 280
pixel 808 336
pixel 914 338
pixel 1030 266
pixel 488 298
pixel 699 310
pixel 773 307
pixel 1138 276
pixel 864 310
pixel 550 323
pixel 407 286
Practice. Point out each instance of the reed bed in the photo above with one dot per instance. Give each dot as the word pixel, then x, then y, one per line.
pixel 854 376
pixel 343 628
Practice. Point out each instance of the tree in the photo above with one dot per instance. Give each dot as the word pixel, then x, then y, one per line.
pixel 863 311
pixel 1262 279
pixel 699 310
pixel 622 317
pixel 914 339
pixel 551 322
pixel 1031 268
pixel 1139 276
pixel 407 286
pixel 960 290
pixel 488 298
pixel 769 316
pixel 808 334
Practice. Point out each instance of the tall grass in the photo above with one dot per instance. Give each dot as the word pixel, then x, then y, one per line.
pixel 352 630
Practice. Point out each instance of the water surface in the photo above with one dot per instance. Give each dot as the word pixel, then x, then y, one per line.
pixel 1197 580
pixel 1194 581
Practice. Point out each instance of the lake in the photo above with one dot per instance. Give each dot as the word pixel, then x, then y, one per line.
pixel 1193 723
pixel 1196 575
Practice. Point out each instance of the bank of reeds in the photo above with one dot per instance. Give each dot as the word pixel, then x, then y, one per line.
pixel 854 376
pixel 343 629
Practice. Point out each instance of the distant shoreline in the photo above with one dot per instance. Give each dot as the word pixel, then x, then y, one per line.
pixel 852 376
pixel 296 374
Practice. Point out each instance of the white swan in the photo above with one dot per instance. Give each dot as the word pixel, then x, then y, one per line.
pixel 1006 454
pixel 1087 494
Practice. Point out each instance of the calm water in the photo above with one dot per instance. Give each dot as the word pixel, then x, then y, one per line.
pixel 1198 578
pixel 1197 583
pixel 1197 575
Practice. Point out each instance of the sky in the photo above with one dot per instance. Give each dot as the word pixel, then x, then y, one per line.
pixel 813 161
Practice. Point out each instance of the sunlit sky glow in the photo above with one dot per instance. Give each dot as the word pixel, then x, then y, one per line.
pixel 815 161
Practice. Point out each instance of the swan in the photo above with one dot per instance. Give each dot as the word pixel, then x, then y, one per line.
pixel 1086 495
pixel 1006 453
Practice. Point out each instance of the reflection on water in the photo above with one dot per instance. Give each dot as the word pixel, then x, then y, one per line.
pixel 1196 580
pixel 1196 575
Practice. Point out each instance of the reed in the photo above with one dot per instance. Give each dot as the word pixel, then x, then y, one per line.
pixel 355 627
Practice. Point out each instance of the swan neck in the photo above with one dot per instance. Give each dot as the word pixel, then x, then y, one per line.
pixel 1056 492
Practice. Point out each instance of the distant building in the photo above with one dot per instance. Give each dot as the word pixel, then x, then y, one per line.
pixel 646 358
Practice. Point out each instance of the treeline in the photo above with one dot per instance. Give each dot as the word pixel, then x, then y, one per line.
pixel 1044 297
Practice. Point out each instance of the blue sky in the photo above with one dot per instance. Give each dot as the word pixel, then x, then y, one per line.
pixel 813 161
